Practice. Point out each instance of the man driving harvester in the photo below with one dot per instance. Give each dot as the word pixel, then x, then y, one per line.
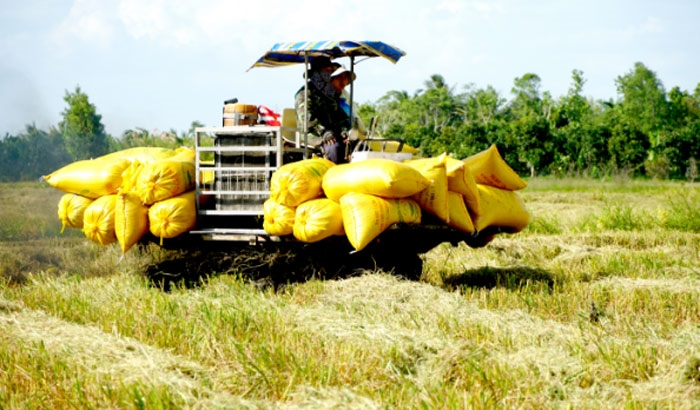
pixel 328 123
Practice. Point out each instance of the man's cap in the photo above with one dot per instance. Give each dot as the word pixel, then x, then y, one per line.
pixel 342 70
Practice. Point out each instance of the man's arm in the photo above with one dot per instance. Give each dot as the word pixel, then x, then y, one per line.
pixel 315 126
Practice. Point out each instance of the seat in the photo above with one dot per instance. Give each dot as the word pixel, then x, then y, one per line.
pixel 289 130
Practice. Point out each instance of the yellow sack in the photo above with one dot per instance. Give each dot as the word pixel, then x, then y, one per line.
pixel 489 168
pixel 297 182
pixel 183 154
pixel 130 220
pixel 390 146
pixel 142 154
pixel 459 215
pixel 130 176
pixel 173 216
pixel 71 210
pixel 91 178
pixel 380 177
pixel 206 176
pixel 318 219
pixel 278 219
pixel 460 179
pixel 98 220
pixel 164 179
pixel 366 216
pixel 433 199
pixel 501 207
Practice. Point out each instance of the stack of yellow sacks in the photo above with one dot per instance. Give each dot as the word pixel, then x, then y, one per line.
pixel 122 195
pixel 314 199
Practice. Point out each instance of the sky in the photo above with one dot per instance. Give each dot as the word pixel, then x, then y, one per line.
pixel 159 65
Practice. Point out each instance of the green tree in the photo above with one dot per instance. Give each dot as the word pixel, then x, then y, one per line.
pixel 643 99
pixel 680 147
pixel 627 145
pixel 437 104
pixel 677 146
pixel 481 121
pixel 641 130
pixel 684 108
pixel 580 142
pixel 31 154
pixel 484 106
pixel 187 138
pixel 529 126
pixel 394 111
pixel 82 129
pixel 430 119
pixel 642 111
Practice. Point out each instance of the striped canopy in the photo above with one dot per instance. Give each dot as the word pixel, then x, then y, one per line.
pixel 282 54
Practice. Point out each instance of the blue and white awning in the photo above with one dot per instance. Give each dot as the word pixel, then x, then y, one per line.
pixel 282 54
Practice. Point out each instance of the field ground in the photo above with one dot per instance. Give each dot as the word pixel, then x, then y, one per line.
pixel 595 305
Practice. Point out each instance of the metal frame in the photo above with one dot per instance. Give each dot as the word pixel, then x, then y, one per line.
pixel 275 149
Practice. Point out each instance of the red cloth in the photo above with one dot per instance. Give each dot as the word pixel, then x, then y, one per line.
pixel 268 116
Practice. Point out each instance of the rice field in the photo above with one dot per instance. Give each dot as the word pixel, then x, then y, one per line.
pixel 596 304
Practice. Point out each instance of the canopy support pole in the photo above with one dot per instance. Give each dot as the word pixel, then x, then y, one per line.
pixel 352 88
pixel 353 125
pixel 306 103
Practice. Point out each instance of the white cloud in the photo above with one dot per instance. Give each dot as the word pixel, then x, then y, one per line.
pixel 479 58
pixel 143 18
pixel 208 23
pixel 488 7
pixel 630 34
pixel 224 22
pixel 652 25
pixel 255 25
pixel 87 22
pixel 452 6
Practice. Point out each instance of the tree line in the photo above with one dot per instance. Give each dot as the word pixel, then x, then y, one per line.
pixel 644 132
pixel 79 135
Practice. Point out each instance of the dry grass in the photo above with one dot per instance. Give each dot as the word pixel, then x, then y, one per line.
pixel 595 305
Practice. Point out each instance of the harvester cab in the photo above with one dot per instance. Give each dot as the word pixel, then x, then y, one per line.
pixel 235 162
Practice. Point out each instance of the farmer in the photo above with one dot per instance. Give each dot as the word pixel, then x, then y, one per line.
pixel 328 122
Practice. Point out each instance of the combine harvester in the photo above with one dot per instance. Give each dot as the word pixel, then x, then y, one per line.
pixel 260 189
pixel 246 156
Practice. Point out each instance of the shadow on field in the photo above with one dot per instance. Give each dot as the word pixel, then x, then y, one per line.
pixel 274 265
pixel 279 263
pixel 509 278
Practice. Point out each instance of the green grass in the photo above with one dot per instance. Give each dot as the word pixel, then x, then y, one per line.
pixel 596 304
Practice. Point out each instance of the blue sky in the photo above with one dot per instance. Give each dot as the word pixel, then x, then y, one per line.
pixel 159 65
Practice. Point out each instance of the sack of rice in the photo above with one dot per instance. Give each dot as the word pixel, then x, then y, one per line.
pixel 390 146
pixel 318 219
pixel 130 176
pixel 98 220
pixel 460 179
pixel 173 216
pixel 366 216
pixel 71 210
pixel 501 207
pixel 433 199
pixel 278 219
pixel 184 154
pixel 91 178
pixel 142 154
pixel 164 179
pixel 489 168
pixel 459 215
pixel 130 220
pixel 297 182
pixel 379 177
